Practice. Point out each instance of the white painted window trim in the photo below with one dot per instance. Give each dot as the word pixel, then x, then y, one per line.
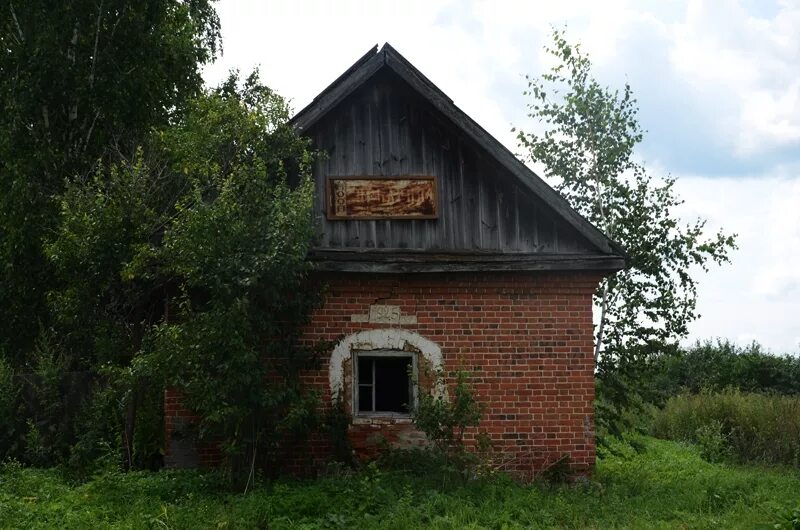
pixel 382 339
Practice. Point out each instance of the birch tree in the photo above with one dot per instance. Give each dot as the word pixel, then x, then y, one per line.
pixel 587 147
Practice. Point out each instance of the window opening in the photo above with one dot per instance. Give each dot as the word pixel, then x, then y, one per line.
pixel 384 383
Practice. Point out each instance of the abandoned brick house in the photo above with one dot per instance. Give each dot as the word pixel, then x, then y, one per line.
pixel 441 250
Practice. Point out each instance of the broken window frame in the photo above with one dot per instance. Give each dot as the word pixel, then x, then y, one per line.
pixel 356 384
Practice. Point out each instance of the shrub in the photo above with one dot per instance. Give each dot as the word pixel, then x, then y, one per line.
pixel 756 427
pixel 722 364
pixel 337 421
pixel 183 265
pixel 10 425
pixel 443 420
pixel 714 445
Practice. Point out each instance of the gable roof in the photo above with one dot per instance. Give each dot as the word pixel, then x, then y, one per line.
pixel 376 60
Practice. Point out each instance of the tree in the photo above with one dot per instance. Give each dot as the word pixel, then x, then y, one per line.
pixel 77 79
pixel 189 258
pixel 587 149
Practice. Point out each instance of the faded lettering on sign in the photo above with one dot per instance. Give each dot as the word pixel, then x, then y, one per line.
pixel 407 197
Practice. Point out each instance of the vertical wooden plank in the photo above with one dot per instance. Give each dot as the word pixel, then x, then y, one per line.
pixel 368 167
pixel 489 205
pixel 445 147
pixel 479 205
pixel 400 104
pixel 338 229
pixel 359 162
pixel 470 200
pixel 382 227
pixel 528 223
pixel 517 243
pixel 345 138
pixel 555 234
pixel 401 229
pixel 386 128
pixel 318 207
pixel 328 143
pixel 506 214
pixel 500 218
pixel 461 213
pixel 427 235
pixel 413 146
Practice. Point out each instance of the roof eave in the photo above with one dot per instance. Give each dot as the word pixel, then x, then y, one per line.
pixel 403 261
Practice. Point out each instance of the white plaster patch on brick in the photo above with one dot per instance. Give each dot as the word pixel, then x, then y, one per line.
pixel 382 339
pixel 384 314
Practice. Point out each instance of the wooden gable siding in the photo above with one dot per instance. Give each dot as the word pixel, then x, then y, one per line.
pixel 385 128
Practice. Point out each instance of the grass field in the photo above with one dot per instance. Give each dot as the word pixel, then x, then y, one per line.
pixel 665 486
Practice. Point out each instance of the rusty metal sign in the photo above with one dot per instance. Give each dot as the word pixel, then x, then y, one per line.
pixel 404 197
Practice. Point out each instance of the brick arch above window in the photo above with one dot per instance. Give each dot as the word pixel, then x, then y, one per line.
pixel 382 339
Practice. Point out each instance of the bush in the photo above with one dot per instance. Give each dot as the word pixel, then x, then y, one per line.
pixel 10 425
pixel 755 427
pixel 714 445
pixel 444 421
pixel 337 421
pixel 722 364
pixel 53 416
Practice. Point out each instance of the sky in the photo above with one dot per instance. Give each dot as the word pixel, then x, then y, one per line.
pixel 717 83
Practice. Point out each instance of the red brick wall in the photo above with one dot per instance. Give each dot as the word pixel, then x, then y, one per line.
pixel 525 337
pixel 182 449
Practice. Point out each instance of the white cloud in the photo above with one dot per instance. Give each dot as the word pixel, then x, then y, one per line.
pixel 732 55
pixel 303 46
pixel 757 295
pixel 781 238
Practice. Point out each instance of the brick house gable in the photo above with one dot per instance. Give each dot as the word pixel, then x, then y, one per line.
pixel 498 281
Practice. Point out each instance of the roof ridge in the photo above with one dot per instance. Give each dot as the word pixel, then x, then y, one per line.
pixel 355 66
pixel 389 50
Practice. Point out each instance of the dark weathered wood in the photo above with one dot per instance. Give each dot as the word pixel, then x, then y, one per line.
pixel 482 206
pixel 399 262
pixel 381 197
pixel 339 89
pixel 385 119
pixel 411 75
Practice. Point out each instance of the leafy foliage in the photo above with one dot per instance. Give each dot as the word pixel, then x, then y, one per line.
pixel 337 421
pixel 189 257
pixel 714 445
pixel 78 79
pixel 587 149
pixel 721 364
pixel 788 519
pixel 752 427
pixel 153 232
pixel 10 424
pixel 445 420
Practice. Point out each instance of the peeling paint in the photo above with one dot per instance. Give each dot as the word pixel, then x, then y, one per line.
pixel 382 339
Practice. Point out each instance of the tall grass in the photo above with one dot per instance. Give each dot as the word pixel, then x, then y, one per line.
pixel 665 485
pixel 751 427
